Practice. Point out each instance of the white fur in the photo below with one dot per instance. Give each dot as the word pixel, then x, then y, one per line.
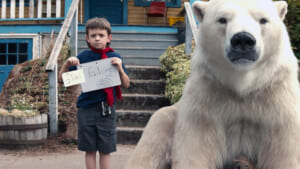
pixel 228 110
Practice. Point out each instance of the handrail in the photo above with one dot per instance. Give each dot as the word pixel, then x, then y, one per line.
pixel 191 19
pixel 51 66
pixel 191 28
pixel 61 36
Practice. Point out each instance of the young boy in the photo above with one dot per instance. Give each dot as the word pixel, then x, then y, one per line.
pixel 96 112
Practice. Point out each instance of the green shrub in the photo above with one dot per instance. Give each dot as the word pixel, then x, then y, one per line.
pixel 292 22
pixel 176 65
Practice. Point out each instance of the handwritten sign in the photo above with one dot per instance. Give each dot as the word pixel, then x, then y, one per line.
pixel 73 78
pixel 99 75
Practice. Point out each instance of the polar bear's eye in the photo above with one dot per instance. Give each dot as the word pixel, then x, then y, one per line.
pixel 222 20
pixel 263 21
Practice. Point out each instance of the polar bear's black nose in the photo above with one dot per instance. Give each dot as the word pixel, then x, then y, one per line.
pixel 242 49
pixel 243 42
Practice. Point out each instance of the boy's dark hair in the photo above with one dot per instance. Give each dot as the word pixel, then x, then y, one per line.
pixel 100 23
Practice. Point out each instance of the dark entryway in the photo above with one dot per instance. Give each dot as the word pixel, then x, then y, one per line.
pixel 112 10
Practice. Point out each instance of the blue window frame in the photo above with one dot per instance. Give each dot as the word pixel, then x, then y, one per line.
pixel 26 3
pixel 15 51
pixel 169 3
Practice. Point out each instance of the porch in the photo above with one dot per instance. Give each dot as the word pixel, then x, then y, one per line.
pixel 125 12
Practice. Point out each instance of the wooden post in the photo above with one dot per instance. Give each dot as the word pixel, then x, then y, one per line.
pixel 51 66
pixel 188 36
pixel 12 8
pixel 31 9
pixel 191 20
pixel 53 106
pixel 21 9
pixel 74 34
pixel 3 9
pixel 49 8
pixel 40 8
pixel 58 8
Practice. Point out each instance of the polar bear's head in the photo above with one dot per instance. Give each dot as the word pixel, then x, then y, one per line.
pixel 240 39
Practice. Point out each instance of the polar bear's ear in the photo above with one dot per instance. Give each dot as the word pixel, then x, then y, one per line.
pixel 199 9
pixel 281 8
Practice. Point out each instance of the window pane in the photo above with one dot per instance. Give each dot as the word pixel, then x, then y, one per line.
pixel 22 58
pixel 12 48
pixel 2 59
pixel 23 47
pixel 12 59
pixel 2 47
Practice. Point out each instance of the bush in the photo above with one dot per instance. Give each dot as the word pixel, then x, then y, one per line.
pixel 292 22
pixel 176 65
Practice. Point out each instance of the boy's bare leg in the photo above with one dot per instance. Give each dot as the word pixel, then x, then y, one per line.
pixel 90 160
pixel 104 161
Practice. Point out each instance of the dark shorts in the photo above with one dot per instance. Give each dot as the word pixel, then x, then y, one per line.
pixel 96 132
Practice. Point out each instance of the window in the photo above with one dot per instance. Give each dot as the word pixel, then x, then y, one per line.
pixel 26 3
pixel 15 51
pixel 169 3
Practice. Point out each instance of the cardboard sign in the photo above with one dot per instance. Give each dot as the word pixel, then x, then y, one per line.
pixel 73 78
pixel 99 75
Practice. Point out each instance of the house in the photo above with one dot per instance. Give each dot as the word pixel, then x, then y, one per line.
pixel 25 25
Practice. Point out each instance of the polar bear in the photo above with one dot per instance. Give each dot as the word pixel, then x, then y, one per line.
pixel 242 97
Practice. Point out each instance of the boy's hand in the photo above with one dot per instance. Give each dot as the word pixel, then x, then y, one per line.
pixel 118 62
pixel 72 61
pixel 124 78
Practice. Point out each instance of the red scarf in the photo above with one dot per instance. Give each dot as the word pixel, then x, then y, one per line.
pixel 109 91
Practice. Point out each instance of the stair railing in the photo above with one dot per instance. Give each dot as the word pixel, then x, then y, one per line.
pixel 190 28
pixel 71 23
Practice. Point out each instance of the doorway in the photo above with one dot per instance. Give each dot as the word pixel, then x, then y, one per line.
pixel 112 10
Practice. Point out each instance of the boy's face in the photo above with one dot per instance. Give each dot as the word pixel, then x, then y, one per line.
pixel 98 38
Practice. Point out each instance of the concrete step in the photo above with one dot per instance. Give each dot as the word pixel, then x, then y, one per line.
pixel 138 52
pixel 144 72
pixel 145 35
pixel 141 61
pixel 146 86
pixel 142 101
pixel 129 135
pixel 133 118
pixel 115 43
pixel 137 48
pixel 136 58
pixel 143 52
pixel 143 43
pixel 137 35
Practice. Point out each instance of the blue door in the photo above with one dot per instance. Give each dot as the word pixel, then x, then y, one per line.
pixel 111 10
pixel 13 51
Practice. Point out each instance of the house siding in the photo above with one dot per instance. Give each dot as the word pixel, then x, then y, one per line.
pixel 137 15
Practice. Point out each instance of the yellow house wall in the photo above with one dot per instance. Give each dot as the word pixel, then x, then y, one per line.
pixel 137 15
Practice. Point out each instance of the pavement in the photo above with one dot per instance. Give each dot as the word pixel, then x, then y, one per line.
pixel 22 159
